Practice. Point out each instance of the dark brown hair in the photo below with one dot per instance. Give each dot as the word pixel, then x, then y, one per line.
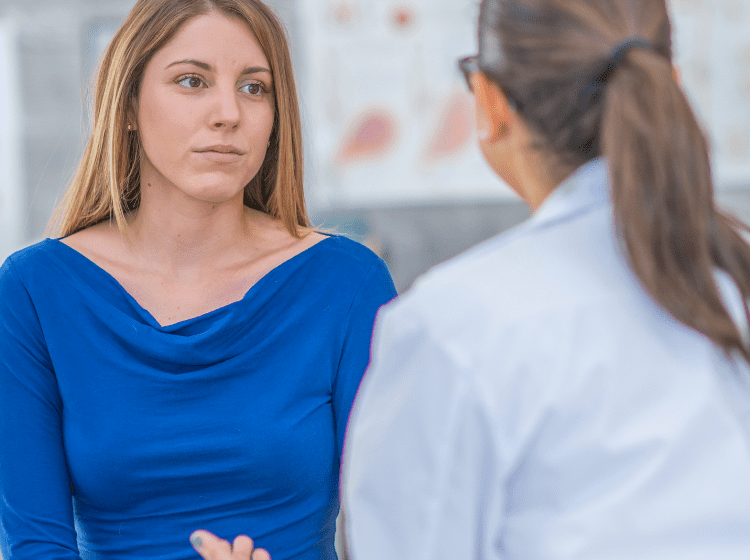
pixel 107 182
pixel 553 59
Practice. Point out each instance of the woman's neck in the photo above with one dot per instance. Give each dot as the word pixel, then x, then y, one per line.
pixel 179 233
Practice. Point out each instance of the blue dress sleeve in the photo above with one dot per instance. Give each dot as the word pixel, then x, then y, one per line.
pixel 36 511
pixel 376 289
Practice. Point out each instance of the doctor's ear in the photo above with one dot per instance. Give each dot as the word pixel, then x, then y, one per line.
pixel 493 112
pixel 676 75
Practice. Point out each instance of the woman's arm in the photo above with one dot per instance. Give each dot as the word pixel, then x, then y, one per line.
pixel 36 511
pixel 376 290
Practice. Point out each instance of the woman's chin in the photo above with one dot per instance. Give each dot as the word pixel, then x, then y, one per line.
pixel 217 193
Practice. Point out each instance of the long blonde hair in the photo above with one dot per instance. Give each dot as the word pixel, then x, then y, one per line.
pixel 106 184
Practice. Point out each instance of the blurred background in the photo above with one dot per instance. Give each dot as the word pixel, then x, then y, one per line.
pixel 391 155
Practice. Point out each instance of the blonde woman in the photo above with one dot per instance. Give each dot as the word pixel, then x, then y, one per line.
pixel 185 355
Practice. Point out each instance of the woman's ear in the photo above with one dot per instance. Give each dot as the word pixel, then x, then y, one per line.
pixel 493 112
pixel 131 115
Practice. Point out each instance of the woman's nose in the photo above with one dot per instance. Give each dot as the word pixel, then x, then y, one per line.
pixel 227 109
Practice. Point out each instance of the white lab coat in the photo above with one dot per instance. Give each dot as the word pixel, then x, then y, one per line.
pixel 528 400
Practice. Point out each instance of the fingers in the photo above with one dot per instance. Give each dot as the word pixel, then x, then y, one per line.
pixel 211 547
pixel 242 548
pixel 261 554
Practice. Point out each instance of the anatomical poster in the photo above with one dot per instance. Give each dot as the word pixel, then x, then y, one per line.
pixel 390 116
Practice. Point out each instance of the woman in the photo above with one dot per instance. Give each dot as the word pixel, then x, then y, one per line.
pixel 186 355
pixel 576 388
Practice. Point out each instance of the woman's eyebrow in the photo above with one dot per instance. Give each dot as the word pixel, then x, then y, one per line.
pixel 197 63
pixel 207 67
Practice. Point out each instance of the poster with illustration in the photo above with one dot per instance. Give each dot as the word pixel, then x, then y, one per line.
pixel 11 201
pixel 390 121
pixel 390 116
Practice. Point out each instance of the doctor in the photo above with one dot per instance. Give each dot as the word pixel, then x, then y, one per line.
pixel 576 388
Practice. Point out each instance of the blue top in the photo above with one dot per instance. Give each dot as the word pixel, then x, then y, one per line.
pixel 232 421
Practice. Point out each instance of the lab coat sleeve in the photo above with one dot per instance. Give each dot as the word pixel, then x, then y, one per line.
pixel 420 478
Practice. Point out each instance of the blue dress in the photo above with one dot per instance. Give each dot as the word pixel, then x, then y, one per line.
pixel 119 437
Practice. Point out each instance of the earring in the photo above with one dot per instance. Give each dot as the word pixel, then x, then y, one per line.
pixel 130 127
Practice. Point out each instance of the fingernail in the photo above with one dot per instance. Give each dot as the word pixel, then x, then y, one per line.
pixel 196 541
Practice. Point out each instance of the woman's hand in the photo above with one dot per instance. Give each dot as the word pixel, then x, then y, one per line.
pixel 211 547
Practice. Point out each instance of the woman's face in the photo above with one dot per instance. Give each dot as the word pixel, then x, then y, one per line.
pixel 205 110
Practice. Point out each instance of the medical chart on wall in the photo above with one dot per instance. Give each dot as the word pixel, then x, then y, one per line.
pixel 712 51
pixel 11 200
pixel 389 120
pixel 389 114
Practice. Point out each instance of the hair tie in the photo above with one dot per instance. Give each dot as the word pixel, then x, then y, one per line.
pixel 620 51
pixel 590 92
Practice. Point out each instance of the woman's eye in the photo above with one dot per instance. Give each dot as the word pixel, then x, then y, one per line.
pixel 255 88
pixel 192 82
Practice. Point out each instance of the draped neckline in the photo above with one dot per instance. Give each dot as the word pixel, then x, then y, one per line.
pixel 149 319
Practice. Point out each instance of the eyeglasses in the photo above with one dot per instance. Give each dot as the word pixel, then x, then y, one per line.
pixel 469 66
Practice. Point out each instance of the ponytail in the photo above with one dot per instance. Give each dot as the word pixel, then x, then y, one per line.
pixel 663 199
pixel 584 92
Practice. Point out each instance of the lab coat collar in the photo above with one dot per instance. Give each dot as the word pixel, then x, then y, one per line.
pixel 587 188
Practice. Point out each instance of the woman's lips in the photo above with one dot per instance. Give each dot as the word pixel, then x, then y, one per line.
pixel 220 157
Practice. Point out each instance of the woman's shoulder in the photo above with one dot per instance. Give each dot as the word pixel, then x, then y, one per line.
pixel 521 279
pixel 348 250
pixel 55 261
pixel 328 248
pixel 99 242
pixel 331 252
pixel 29 270
pixel 32 257
pixel 345 261
pixel 94 239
